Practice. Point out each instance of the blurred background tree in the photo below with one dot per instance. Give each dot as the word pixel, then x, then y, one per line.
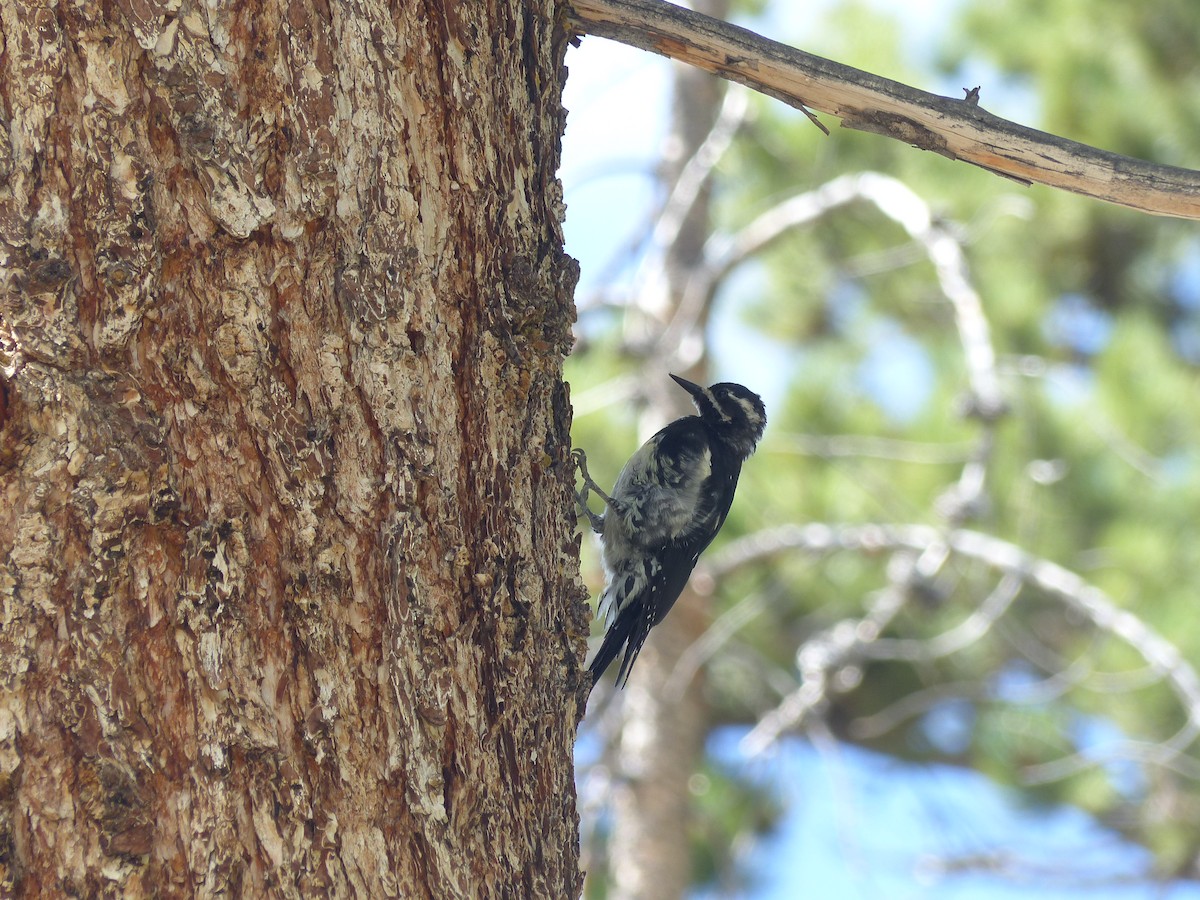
pixel 967 539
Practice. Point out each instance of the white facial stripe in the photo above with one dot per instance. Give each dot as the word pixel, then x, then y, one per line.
pixel 715 405
pixel 752 414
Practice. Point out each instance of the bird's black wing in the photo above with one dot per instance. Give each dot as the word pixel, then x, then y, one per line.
pixel 685 463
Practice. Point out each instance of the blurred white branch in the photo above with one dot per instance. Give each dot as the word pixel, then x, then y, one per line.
pixel 696 173
pixel 844 643
pixel 958 638
pixel 652 278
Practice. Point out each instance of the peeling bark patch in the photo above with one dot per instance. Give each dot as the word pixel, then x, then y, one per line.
pixel 112 797
pixel 901 128
pixel 1007 167
pixel 5 400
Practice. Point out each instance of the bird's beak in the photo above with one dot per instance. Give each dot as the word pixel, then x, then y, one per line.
pixel 693 389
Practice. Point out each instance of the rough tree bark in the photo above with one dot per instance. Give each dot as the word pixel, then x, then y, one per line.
pixel 287 565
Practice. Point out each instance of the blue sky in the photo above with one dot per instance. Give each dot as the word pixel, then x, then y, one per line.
pixel 857 825
pixel 862 826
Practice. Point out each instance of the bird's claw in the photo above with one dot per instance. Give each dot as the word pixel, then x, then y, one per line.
pixel 581 497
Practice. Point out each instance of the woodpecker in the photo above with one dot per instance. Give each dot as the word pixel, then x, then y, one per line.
pixel 669 502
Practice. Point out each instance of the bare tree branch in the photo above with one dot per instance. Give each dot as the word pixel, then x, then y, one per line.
pixel 967 632
pixel 697 171
pixel 954 128
pixel 876 262
pixel 652 275
pixel 844 643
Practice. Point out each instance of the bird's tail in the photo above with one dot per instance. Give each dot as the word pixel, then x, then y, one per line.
pixel 630 629
pixel 609 648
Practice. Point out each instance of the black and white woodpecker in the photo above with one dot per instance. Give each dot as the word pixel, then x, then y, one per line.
pixel 669 502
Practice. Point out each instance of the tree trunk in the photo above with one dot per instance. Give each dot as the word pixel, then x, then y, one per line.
pixel 289 601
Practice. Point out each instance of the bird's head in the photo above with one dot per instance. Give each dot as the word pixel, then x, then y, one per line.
pixel 735 413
